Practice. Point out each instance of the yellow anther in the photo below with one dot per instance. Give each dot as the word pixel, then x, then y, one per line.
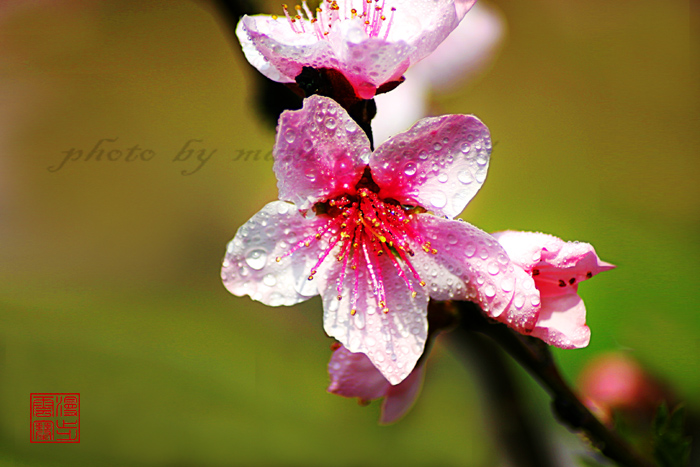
pixel 318 236
pixel 297 7
pixel 353 267
pixel 433 251
pixel 340 297
pixel 278 259
pixel 385 310
pixel 311 277
pixel 353 312
pixel 306 243
pixel 422 283
pixel 274 16
pixel 413 294
pixel 382 304
pixel 382 238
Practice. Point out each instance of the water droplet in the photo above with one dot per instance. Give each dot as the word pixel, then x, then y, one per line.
pixel 359 319
pixel 282 208
pixel 438 199
pixel 483 253
pixel 490 291
pixel 470 250
pixel 442 178
pixel 451 238
pixel 269 280
pixel 369 340
pixel 243 271
pixel 465 148
pixel 481 176
pixel 311 175
pixel 465 176
pixel 289 136
pixel 535 300
pixel 482 159
pixel 519 300
pixel 350 126
pixel 256 258
pixel 503 259
pixel 492 268
pixel 480 279
pixel 423 155
pixel 437 146
pixel 470 138
pixel 307 145
pixel 410 169
pixel 331 123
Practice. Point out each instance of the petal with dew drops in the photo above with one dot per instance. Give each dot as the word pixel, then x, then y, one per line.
pixel 320 153
pixel 562 322
pixel 393 340
pixel 470 264
pixel 251 268
pixel 440 163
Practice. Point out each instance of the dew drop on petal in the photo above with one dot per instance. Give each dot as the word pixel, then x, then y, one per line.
pixel 282 208
pixel 307 145
pixel 423 155
pixel 492 268
pixel 438 199
pixel 519 300
pixel 465 176
pixel 535 300
pixel 465 148
pixel 490 290
pixel 350 126
pixel 289 136
pixel 437 146
pixel 269 280
pixel 507 285
pixel 410 169
pixel 483 253
pixel 331 123
pixel 470 250
pixel 256 259
pixel 311 175
pixel 442 178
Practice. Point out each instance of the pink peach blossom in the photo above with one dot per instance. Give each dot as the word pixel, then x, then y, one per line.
pixel 557 268
pixel 370 42
pixel 372 232
pixel 465 54
pixel 354 375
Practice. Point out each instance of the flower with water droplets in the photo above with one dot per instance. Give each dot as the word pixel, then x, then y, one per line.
pixel 557 268
pixel 353 375
pixel 372 232
pixel 371 42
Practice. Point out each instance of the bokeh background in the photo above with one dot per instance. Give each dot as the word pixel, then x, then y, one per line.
pixel 109 270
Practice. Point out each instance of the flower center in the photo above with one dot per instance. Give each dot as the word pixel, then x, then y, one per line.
pixel 360 229
pixel 320 22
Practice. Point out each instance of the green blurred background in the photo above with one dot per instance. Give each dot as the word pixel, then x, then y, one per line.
pixel 109 271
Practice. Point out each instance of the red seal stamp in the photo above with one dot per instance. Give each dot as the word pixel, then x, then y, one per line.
pixel 54 417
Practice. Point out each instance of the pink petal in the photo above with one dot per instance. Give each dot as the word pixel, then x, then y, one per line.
pixel 439 164
pixel 467 51
pixel 562 322
pixel 320 153
pixel 393 341
pixel 400 398
pixel 472 265
pixel 254 57
pixel 424 24
pixel 560 265
pixel 353 375
pixel 250 266
pixel 282 49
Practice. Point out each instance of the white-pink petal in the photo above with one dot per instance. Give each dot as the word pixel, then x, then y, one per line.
pixel 394 340
pixel 562 322
pixel 250 266
pixel 320 153
pixel 440 163
pixel 472 265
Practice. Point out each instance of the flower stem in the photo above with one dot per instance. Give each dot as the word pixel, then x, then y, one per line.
pixel 535 356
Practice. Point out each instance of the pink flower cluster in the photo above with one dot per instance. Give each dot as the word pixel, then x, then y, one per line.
pixel 375 233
